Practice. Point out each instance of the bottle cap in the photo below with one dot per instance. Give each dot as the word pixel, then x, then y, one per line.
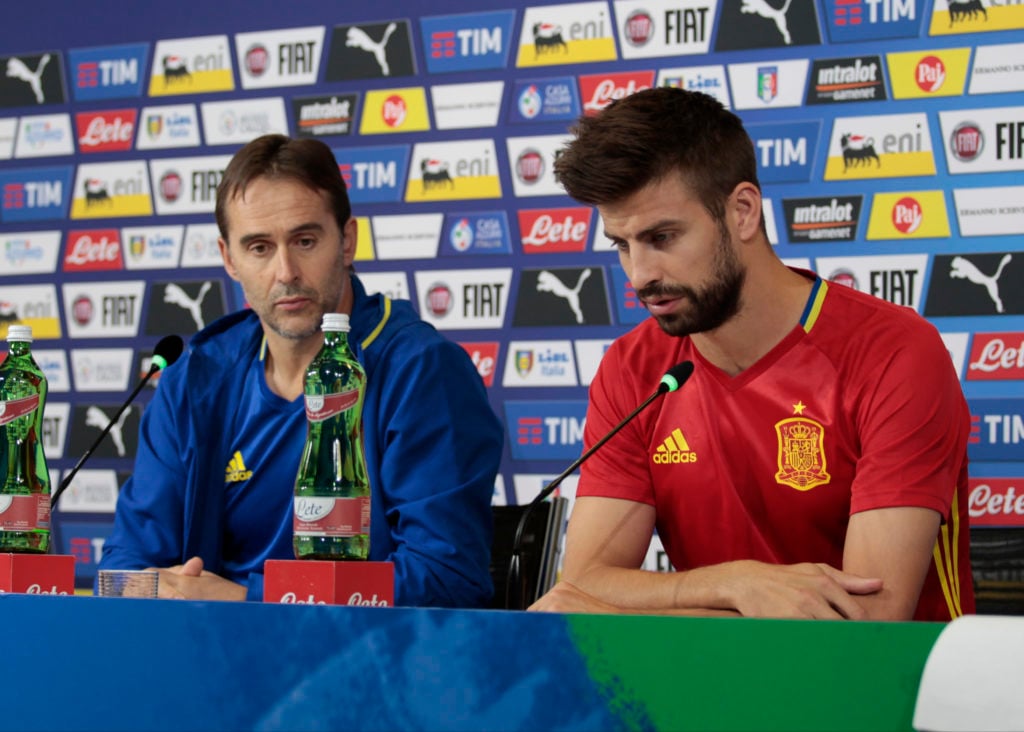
pixel 335 322
pixel 19 333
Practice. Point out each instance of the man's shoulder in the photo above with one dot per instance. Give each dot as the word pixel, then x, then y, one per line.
pixel 224 342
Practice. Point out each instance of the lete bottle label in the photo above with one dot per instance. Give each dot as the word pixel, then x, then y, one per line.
pixel 24 513
pixel 339 517
pixel 10 411
pixel 324 406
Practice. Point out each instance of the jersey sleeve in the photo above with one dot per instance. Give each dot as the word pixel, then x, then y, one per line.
pixel 913 425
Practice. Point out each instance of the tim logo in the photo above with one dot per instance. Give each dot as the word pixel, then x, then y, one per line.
pixel 373 174
pixel 108 73
pixel 861 20
pixel 545 430
pixel 858 151
pixel 471 42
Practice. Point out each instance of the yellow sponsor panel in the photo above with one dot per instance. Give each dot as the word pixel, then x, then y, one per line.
pixel 574 52
pixel 1006 17
pixel 198 82
pixel 940 73
pixel 136 205
pixel 459 189
pixel 41 327
pixel 909 215
pixel 364 241
pixel 394 110
pixel 888 165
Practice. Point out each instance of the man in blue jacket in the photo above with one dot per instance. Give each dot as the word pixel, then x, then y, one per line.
pixel 211 495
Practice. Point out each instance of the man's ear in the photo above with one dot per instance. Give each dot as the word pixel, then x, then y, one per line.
pixel 225 254
pixel 349 239
pixel 746 210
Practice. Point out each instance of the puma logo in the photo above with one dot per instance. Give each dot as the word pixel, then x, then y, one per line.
pixel 963 269
pixel 762 8
pixel 358 38
pixel 174 295
pixel 18 69
pixel 547 282
pixel 96 417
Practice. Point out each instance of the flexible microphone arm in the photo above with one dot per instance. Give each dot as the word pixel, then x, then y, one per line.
pixel 165 353
pixel 671 381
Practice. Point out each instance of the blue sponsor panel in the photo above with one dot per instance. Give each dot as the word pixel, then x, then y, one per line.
pixel 373 174
pixel 545 100
pixel 785 151
pixel 108 72
pixel 484 232
pixel 471 42
pixel 997 430
pixel 83 540
pixel 869 20
pixel 34 194
pixel 628 309
pixel 548 430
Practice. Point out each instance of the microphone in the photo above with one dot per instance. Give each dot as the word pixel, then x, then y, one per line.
pixel 674 378
pixel 167 351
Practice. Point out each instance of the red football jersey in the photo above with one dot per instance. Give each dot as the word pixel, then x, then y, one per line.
pixel 858 408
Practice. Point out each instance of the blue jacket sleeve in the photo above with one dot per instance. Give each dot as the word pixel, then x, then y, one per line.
pixel 438 446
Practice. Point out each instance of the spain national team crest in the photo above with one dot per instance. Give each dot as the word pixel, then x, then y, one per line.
pixel 524 362
pixel 801 453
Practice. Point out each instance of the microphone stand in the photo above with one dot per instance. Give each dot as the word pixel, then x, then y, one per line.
pixel 515 574
pixel 106 430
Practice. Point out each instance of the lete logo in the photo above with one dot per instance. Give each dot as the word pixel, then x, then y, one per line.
pixel 555 230
pixel 995 502
pixel 993 357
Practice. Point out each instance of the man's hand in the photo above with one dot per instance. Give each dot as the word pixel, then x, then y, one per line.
pixel 566 597
pixel 189 581
pixel 795 590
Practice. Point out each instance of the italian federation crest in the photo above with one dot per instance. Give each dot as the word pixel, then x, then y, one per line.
pixel 801 453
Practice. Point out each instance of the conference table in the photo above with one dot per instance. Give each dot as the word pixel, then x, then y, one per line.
pixel 92 663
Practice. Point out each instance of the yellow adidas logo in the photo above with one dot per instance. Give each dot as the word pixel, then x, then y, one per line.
pixel 674 450
pixel 236 472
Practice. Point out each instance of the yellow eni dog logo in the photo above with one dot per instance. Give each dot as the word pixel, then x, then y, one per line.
pixel 801 453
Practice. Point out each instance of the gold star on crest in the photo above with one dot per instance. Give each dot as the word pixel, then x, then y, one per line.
pixel 799 407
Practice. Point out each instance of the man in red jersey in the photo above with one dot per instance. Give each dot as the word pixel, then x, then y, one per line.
pixel 814 465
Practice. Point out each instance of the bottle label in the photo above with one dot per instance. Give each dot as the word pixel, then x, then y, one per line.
pixel 324 406
pixel 24 513
pixel 336 517
pixel 10 411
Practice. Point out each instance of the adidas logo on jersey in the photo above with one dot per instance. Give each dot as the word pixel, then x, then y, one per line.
pixel 674 450
pixel 236 471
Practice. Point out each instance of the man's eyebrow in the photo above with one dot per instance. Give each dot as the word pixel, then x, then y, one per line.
pixel 310 226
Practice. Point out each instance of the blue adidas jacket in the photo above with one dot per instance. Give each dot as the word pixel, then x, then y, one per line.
pixel 433 446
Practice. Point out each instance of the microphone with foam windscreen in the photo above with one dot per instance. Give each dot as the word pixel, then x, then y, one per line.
pixel 674 378
pixel 167 351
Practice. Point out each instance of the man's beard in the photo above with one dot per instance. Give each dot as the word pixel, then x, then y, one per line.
pixel 713 305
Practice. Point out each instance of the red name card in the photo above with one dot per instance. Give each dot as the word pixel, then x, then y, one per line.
pixel 315 582
pixel 37 574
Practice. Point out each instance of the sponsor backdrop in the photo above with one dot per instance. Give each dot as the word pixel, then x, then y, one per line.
pixel 889 135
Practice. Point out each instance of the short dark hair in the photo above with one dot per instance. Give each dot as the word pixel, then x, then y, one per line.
pixel 306 161
pixel 646 136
